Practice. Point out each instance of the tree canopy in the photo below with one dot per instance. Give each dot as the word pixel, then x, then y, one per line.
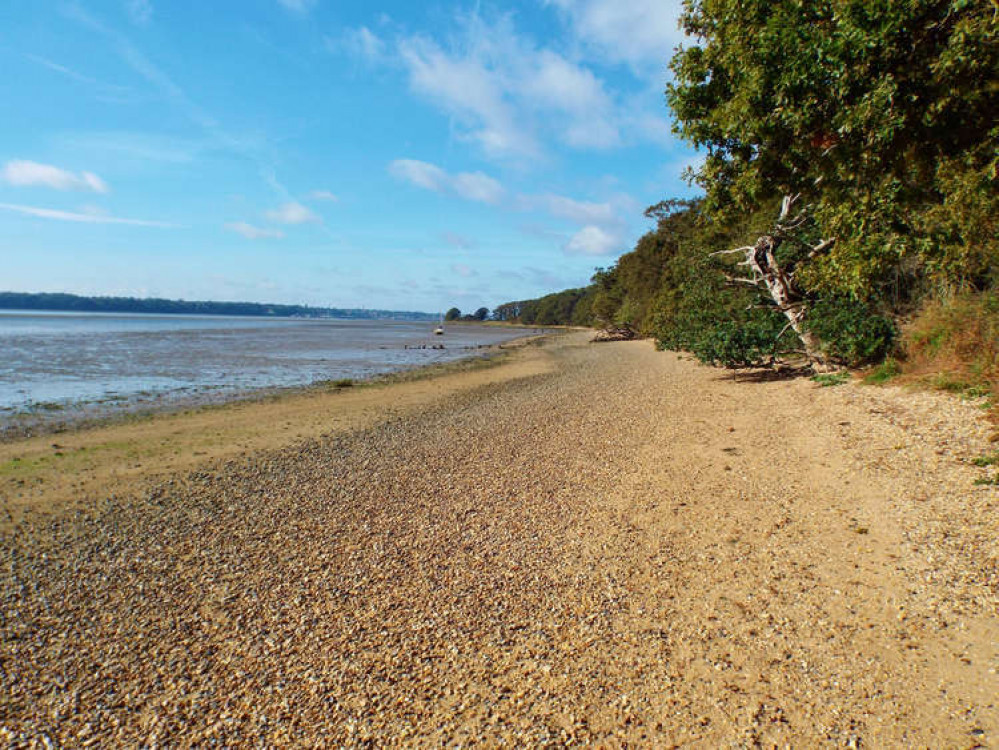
pixel 881 115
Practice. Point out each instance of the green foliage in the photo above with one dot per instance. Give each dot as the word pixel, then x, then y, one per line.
pixel 453 314
pixel 881 114
pixel 851 332
pixel 884 372
pixel 481 314
pixel 829 379
pixel 987 460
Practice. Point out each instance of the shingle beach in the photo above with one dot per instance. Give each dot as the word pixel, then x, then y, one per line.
pixel 621 548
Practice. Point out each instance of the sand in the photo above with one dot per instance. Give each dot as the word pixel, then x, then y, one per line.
pixel 588 543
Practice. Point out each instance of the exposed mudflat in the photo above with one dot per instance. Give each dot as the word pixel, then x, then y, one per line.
pixel 619 547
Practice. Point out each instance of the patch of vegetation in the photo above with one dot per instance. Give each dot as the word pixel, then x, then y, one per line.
pixel 987 460
pixel 44 406
pixel 827 379
pixel 343 383
pixel 882 373
pixel 988 481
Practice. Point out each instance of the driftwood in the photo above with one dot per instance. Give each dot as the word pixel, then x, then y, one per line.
pixel 768 276
pixel 614 333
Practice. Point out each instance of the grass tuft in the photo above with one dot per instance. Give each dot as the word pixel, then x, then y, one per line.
pixel 828 379
pixel 887 370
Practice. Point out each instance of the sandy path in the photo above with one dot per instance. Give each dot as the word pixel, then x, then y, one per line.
pixel 629 548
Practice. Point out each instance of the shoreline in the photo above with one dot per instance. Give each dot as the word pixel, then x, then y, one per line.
pixel 46 418
pixel 44 472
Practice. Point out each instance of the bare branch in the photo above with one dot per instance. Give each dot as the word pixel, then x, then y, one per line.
pixel 755 283
pixel 822 247
pixel 734 250
pixel 786 205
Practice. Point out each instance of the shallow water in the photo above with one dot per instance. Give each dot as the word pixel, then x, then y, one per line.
pixel 51 360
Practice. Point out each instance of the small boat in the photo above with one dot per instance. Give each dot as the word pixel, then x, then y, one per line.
pixel 439 330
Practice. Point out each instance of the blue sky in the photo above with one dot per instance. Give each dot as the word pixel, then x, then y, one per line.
pixel 392 155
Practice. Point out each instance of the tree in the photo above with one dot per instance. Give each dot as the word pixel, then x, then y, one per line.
pixel 453 314
pixel 481 314
pixel 875 113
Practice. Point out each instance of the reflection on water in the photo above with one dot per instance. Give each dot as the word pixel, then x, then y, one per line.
pixel 63 357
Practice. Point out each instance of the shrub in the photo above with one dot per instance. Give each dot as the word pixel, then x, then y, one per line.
pixel 851 332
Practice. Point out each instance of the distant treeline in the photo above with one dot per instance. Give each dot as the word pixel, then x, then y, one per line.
pixel 76 303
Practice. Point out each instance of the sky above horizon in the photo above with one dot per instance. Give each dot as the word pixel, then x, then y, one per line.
pixel 389 155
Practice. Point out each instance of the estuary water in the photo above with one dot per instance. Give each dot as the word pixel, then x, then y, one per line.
pixel 51 361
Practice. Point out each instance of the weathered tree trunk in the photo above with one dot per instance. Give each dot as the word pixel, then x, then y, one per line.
pixel 779 282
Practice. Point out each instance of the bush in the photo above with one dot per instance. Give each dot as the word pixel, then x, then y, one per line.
pixel 851 332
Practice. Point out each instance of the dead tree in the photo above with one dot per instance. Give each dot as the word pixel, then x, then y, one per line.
pixel 771 278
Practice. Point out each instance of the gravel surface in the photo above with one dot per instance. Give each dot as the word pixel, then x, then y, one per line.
pixel 630 550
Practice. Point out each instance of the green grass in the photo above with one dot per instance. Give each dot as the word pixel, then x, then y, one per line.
pixel 884 372
pixel 829 379
pixel 986 460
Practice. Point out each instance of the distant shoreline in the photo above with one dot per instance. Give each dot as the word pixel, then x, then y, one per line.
pixel 60 302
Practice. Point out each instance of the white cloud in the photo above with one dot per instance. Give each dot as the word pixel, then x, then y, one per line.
pixel 556 83
pixel 462 270
pixel 361 43
pixel 473 186
pixel 420 173
pixel 584 212
pixel 298 6
pixel 592 240
pixel 29 173
pixel 324 195
pixel 140 11
pixel 87 216
pixel 470 89
pixel 510 95
pixel 253 233
pixel 292 213
pixel 641 33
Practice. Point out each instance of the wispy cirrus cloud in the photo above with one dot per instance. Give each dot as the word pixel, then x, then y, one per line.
pixel 251 232
pixel 517 98
pixel 24 173
pixel 115 146
pixel 104 91
pixel 500 89
pixel 142 65
pixel 292 212
pixel 324 195
pixel 84 217
pixel 361 44
pixel 474 186
pixel 641 33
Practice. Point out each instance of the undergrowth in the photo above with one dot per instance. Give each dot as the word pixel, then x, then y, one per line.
pixel 951 345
